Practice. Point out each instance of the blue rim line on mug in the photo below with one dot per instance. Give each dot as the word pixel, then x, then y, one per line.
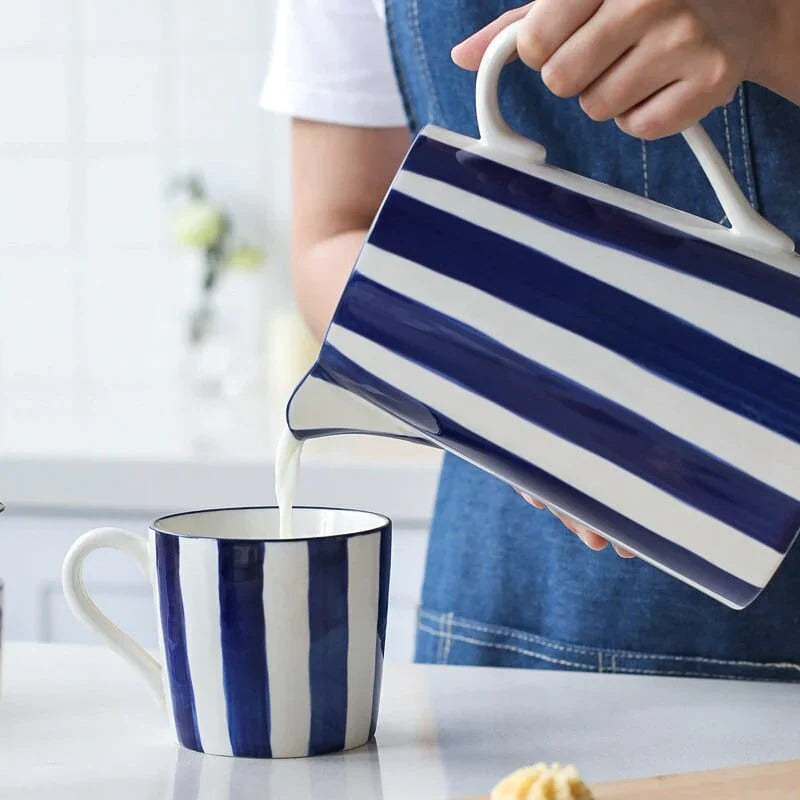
pixel 156 524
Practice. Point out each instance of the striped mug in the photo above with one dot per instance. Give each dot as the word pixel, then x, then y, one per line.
pixel 627 363
pixel 271 647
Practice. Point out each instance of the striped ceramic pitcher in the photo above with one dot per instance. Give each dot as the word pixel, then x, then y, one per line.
pixel 623 361
pixel 270 647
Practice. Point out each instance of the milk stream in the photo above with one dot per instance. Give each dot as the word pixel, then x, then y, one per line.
pixel 287 463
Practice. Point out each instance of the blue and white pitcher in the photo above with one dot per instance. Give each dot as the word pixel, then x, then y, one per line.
pixel 623 361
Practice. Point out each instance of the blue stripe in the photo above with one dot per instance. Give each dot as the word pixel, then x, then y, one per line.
pixel 607 224
pixel 342 371
pixel 244 651
pixel 472 359
pixel 174 631
pixel 327 610
pixel 383 607
pixel 655 340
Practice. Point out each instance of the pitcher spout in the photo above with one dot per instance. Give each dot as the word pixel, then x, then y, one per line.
pixel 322 407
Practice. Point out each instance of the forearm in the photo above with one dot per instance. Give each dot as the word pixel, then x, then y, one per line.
pixel 341 174
pixel 320 273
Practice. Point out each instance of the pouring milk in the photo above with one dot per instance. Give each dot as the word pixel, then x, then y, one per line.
pixel 287 463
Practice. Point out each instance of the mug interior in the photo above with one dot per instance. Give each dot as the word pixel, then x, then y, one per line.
pixel 263 523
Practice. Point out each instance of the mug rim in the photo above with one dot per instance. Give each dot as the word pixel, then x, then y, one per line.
pixel 386 522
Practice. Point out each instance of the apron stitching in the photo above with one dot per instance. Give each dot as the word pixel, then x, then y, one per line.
pixel 683 674
pixel 398 70
pixel 528 637
pixel 719 661
pixel 564 663
pixel 434 112
pixel 746 160
pixel 728 145
pixel 495 630
pixel 644 169
pixel 449 640
pixel 500 646
pixel 440 635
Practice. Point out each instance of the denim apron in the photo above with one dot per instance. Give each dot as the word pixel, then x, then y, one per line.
pixel 507 585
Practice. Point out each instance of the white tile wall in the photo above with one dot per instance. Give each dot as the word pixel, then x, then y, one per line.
pixel 103 102
pixel 37 323
pixel 35 202
pixel 126 200
pixel 35 88
pixel 35 22
pixel 218 96
pixel 109 23
pixel 203 22
pixel 122 99
pixel 135 341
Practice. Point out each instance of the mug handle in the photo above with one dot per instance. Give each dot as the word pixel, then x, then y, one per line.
pixel 495 133
pixel 83 607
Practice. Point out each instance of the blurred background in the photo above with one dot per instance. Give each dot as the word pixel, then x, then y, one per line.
pixel 148 340
pixel 106 102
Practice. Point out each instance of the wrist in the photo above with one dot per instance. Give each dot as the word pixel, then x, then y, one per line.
pixel 776 61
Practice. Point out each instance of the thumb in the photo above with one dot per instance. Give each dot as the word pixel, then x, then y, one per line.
pixel 468 53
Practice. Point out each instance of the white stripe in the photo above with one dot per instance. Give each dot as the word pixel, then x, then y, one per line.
pixel 631 496
pixel 199 574
pixel 151 546
pixel 750 325
pixel 766 455
pixel 363 568
pixel 287 631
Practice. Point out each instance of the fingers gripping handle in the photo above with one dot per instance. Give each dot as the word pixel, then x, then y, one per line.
pixel 82 605
pixel 495 134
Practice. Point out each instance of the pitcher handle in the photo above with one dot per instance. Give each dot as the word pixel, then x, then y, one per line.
pixel 496 134
pixel 82 605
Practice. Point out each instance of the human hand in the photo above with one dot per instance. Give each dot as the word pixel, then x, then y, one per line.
pixel 654 66
pixel 593 540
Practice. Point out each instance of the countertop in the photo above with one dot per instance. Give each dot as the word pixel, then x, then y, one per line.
pixel 77 723
pixel 135 448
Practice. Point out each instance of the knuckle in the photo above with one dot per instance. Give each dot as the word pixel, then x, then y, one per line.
pixel 594 106
pixel 641 10
pixel 718 70
pixel 687 29
pixel 557 79
pixel 513 14
pixel 642 126
pixel 532 46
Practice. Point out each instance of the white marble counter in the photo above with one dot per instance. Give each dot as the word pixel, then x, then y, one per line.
pixel 77 724
pixel 72 446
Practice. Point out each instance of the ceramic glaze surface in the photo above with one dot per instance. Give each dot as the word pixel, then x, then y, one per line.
pixel 270 647
pixel 621 360
pixel 629 368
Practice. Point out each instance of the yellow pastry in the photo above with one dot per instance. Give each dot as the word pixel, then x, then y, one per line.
pixel 541 782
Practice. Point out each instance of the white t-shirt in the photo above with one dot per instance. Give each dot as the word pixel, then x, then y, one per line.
pixel 331 63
